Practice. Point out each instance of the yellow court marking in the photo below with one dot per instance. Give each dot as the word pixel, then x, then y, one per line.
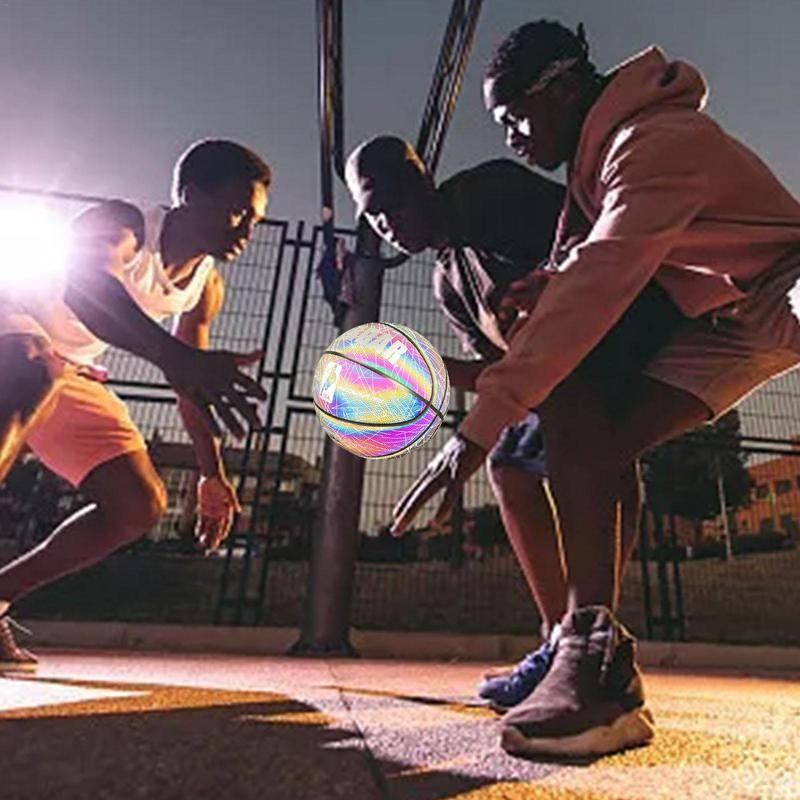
pixel 120 698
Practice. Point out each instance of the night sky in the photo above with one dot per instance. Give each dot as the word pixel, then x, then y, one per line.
pixel 100 96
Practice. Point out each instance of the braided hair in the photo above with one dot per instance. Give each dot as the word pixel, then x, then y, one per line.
pixel 529 51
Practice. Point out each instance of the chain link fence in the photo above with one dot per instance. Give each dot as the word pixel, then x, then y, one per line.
pixel 721 567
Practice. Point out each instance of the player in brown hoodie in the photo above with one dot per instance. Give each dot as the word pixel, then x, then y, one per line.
pixel 671 197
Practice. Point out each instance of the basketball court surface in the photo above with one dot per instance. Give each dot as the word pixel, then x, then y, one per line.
pixel 132 725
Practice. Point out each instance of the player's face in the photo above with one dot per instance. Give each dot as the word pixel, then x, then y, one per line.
pixel 229 217
pixel 537 127
pixel 405 219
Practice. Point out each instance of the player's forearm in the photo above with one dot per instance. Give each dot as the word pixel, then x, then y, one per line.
pixel 102 304
pixel 464 374
pixel 207 448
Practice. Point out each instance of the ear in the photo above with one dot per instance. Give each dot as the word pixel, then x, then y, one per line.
pixel 190 194
pixel 567 89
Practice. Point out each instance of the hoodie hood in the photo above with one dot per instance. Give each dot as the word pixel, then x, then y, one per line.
pixel 643 85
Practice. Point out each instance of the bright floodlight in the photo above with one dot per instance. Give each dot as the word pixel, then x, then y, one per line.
pixel 33 245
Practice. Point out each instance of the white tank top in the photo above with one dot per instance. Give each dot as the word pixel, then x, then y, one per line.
pixel 144 278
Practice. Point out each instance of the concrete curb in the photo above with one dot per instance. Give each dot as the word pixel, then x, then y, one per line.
pixel 386 644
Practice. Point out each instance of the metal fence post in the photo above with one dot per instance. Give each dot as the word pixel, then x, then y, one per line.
pixel 334 540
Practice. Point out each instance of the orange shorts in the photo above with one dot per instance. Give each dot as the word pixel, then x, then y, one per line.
pixel 724 356
pixel 89 426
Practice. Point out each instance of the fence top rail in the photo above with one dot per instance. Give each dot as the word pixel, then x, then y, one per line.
pixel 751 444
pixel 78 197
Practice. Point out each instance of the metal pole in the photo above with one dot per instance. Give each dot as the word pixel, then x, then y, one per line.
pixel 334 540
pixel 723 510
pixel 457 518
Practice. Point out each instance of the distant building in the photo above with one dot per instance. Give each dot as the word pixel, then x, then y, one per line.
pixel 774 506
pixel 775 498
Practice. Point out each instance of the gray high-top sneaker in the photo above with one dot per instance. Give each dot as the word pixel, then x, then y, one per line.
pixel 591 702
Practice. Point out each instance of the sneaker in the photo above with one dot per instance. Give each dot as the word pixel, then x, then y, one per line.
pixel 591 702
pixel 508 689
pixel 14 658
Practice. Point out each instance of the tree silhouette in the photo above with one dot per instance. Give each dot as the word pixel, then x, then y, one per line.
pixel 681 477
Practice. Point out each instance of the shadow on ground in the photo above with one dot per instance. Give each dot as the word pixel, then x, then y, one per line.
pixel 167 742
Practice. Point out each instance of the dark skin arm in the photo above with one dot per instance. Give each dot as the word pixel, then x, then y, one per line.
pixel 217 499
pixel 193 329
pixel 105 238
pixel 463 374
pixel 460 458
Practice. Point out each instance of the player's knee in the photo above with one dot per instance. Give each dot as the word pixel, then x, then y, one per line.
pixel 155 504
pixel 141 510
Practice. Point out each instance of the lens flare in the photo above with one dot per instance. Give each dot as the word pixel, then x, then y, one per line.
pixel 34 243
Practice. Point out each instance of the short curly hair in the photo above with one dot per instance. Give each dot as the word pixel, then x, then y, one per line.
pixel 211 164
pixel 521 58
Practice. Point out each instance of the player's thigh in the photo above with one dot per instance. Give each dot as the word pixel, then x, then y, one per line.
pixel 128 488
pixel 709 367
pixel 88 426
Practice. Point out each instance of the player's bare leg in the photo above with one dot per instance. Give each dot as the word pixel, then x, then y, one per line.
pixel 595 664
pixel 588 457
pixel 127 499
pixel 629 512
pixel 31 381
pixel 528 516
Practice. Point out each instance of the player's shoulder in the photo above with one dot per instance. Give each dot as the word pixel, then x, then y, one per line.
pixel 496 173
pixel 670 134
pixel 499 187
pixel 110 218
pixel 214 284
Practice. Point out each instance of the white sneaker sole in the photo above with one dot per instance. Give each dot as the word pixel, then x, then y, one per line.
pixel 16 666
pixel 634 729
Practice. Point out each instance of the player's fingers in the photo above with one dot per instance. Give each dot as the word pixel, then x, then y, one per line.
pixel 221 530
pixel 245 359
pixel 204 530
pixel 446 506
pixel 248 410
pixel 228 418
pixel 410 511
pixel 251 387
pixel 520 299
pixel 234 399
pixel 411 492
pixel 203 407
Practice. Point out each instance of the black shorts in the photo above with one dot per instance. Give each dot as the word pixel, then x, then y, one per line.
pixel 644 329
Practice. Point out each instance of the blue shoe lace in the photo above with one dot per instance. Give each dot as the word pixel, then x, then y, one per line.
pixel 510 690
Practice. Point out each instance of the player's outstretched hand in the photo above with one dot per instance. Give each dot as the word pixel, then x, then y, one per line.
pixel 215 383
pixel 216 505
pixel 449 470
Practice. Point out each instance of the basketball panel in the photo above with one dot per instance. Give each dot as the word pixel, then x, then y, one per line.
pixel 388 351
pixel 357 393
pixel 384 442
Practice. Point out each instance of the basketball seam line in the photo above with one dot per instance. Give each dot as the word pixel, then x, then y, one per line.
pixel 428 403
pixel 422 355
pixel 408 446
pixel 416 441
pixel 433 387
pixel 427 407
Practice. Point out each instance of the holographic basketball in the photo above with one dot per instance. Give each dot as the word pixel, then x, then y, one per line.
pixel 380 389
